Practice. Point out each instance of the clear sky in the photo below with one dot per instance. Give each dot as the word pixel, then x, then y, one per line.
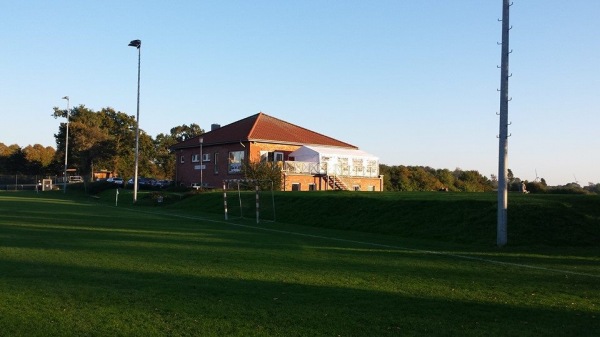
pixel 413 82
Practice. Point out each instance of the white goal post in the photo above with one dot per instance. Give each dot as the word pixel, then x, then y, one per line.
pixel 243 197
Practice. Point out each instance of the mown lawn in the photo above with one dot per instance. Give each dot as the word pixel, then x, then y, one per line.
pixel 78 266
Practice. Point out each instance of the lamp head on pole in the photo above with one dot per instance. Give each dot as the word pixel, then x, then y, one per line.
pixel 66 97
pixel 135 43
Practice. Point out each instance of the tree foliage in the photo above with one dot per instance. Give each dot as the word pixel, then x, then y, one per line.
pixel 31 160
pixel 164 159
pixel 104 140
pixel 266 174
pixel 419 178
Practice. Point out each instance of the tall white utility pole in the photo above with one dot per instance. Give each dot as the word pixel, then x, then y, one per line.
pixel 201 164
pixel 501 238
pixel 66 145
pixel 137 44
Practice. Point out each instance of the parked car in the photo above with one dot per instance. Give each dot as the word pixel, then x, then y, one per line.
pixel 115 180
pixel 163 183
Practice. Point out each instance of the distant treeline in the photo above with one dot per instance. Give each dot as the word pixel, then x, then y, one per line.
pixel 420 178
pixel 424 178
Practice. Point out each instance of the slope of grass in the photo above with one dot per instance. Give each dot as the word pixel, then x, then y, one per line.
pixel 469 218
pixel 74 267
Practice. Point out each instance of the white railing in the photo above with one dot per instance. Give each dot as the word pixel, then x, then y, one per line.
pixel 301 167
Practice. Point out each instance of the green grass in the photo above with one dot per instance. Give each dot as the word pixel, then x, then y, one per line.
pixel 468 218
pixel 80 266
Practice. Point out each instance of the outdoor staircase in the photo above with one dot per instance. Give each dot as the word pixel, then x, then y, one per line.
pixel 336 183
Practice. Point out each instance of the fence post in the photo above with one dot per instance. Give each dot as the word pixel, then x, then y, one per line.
pixel 225 198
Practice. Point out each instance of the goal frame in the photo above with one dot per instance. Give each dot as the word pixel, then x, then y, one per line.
pixel 256 183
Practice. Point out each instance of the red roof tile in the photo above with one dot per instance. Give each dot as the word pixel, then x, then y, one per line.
pixel 264 128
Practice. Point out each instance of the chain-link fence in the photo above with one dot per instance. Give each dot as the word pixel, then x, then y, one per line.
pixel 18 182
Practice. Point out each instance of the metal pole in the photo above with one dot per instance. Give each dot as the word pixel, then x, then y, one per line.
pixel 257 204
pixel 273 200
pixel 201 165
pixel 240 199
pixel 501 238
pixel 138 45
pixel 225 198
pixel 66 146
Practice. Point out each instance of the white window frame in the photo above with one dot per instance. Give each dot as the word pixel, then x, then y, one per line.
pixel 195 158
pixel 274 156
pixel 206 157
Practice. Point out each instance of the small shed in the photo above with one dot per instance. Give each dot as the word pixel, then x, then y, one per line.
pixel 338 160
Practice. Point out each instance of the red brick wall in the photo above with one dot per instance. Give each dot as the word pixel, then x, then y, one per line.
pixel 321 184
pixel 186 174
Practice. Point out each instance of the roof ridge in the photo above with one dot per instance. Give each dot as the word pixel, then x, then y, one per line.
pixel 299 127
pixel 258 116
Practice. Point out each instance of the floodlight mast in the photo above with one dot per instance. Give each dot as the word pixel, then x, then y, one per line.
pixel 66 145
pixel 501 238
pixel 137 44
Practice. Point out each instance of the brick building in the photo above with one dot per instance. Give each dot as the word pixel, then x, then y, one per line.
pixel 308 160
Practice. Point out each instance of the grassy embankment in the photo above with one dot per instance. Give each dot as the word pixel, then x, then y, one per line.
pixel 71 265
pixel 470 218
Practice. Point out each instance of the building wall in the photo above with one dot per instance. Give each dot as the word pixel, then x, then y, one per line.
pixel 187 173
pixel 257 147
pixel 320 184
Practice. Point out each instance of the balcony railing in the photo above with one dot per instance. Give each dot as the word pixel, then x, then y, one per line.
pixel 300 167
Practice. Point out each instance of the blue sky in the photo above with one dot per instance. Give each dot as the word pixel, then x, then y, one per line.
pixel 413 82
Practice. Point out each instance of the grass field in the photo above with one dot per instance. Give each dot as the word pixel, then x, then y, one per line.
pixel 78 266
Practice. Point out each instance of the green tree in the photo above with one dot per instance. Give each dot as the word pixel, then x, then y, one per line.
pixel 103 139
pixel 39 158
pixel 266 173
pixel 164 159
pixel 184 132
pixel 446 178
pixel 5 153
pixel 16 163
pixel 535 187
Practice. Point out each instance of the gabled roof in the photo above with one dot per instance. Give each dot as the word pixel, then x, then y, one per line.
pixel 263 128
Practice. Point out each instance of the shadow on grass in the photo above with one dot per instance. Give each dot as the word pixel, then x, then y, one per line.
pixel 73 300
pixel 90 299
pixel 122 273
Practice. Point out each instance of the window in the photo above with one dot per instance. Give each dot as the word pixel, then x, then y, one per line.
pixel 216 163
pixel 235 161
pixel 372 168
pixel 278 156
pixel 358 166
pixel 371 188
pixel 295 186
pixel 206 157
pixel 312 187
pixel 182 159
pixel 343 166
pixel 356 187
pixel 266 156
pixel 195 158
